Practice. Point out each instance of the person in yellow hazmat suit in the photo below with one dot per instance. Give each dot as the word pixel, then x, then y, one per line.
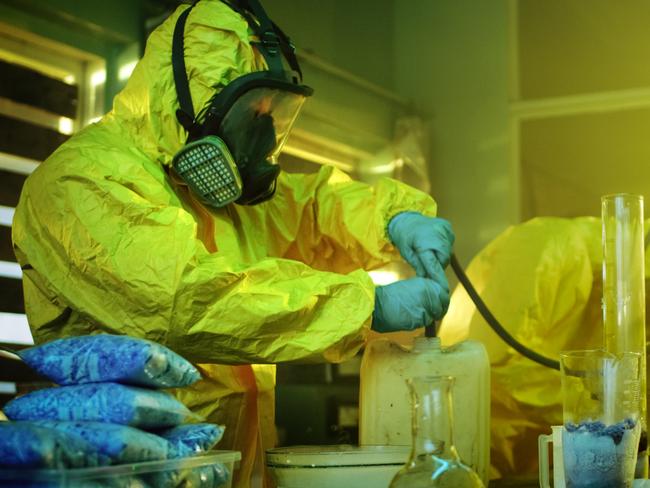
pixel 543 281
pixel 169 220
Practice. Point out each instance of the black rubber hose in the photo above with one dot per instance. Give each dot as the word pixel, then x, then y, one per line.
pixel 494 323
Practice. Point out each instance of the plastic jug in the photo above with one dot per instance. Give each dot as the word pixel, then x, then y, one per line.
pixel 384 403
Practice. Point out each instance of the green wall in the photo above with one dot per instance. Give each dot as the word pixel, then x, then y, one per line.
pixel 356 38
pixel 354 35
pixel 451 56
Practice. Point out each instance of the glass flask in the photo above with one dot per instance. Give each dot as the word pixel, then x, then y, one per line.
pixel 434 461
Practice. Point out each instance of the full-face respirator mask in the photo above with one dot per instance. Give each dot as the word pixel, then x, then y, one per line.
pixel 231 155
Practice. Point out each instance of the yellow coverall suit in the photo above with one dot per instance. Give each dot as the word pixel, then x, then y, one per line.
pixel 108 242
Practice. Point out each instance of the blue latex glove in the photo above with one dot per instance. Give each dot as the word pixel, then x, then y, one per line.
pixel 409 304
pixel 424 242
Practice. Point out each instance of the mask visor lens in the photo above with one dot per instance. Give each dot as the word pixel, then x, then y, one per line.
pixel 259 122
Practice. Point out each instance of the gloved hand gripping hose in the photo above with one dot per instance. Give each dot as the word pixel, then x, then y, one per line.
pixel 494 323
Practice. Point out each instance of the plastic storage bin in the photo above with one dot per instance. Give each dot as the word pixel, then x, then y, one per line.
pixel 213 469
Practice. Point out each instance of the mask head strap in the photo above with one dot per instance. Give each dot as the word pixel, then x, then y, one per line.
pixel 273 42
pixel 185 114
pixel 289 51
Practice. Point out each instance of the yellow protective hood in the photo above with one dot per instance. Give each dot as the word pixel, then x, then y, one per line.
pixel 217 50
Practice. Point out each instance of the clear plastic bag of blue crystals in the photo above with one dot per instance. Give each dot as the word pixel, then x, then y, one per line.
pixel 110 358
pixel 101 402
pixel 25 445
pixel 120 443
pixel 193 438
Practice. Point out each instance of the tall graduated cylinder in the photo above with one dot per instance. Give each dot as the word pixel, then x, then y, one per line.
pixel 385 408
pixel 624 286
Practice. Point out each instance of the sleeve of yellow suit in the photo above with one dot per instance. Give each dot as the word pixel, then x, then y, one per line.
pixel 332 222
pixel 127 263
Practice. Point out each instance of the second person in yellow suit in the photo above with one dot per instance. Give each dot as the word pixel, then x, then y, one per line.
pixel 111 240
pixel 543 281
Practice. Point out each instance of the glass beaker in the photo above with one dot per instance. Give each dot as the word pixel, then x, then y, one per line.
pixel 434 461
pixel 601 404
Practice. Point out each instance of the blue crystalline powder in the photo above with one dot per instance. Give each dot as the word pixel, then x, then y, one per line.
pixel 110 358
pixel 25 445
pixel 187 440
pixel 193 438
pixel 600 456
pixel 121 443
pixel 100 402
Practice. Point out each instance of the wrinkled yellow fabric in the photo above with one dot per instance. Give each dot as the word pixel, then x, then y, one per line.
pixel 543 281
pixel 109 243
